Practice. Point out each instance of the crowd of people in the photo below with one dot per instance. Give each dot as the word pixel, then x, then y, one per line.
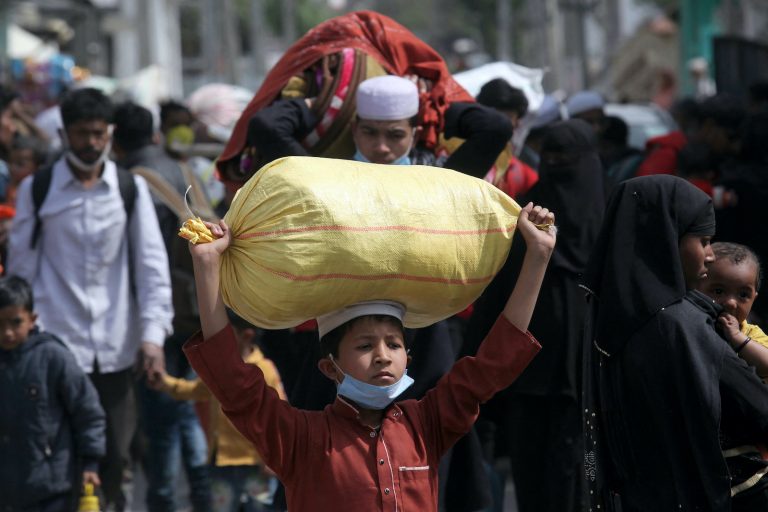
pixel 647 393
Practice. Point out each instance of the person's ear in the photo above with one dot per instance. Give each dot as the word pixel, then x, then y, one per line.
pixel 408 360
pixel 329 369
pixel 417 133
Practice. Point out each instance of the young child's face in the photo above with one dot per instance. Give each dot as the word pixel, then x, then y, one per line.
pixel 15 324
pixel 732 285
pixel 373 351
pixel 21 163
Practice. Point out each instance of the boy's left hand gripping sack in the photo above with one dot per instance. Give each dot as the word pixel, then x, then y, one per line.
pixel 195 231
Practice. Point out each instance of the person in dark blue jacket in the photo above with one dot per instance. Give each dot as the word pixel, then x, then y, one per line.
pixel 52 427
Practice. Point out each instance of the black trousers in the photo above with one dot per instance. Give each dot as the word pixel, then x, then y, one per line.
pixel 545 449
pixel 118 398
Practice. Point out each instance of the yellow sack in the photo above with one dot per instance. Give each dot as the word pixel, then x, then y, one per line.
pixel 312 235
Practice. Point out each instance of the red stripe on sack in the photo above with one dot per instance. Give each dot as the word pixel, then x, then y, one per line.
pixel 354 229
pixel 379 277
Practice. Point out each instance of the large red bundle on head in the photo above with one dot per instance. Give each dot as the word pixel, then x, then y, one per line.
pixel 396 48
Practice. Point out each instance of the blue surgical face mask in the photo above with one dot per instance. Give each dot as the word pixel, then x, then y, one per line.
pixel 370 396
pixel 403 160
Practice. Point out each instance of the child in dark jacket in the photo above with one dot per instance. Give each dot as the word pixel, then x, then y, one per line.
pixel 51 422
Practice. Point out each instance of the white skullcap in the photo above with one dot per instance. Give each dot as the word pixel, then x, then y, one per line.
pixel 584 101
pixel 387 98
pixel 547 113
pixel 329 322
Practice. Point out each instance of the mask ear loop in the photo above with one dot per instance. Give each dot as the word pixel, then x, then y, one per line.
pixel 330 356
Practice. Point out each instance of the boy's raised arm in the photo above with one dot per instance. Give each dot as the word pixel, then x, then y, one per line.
pixel 540 244
pixel 206 259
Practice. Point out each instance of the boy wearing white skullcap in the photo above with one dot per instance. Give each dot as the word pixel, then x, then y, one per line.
pixel 364 452
pixel 385 128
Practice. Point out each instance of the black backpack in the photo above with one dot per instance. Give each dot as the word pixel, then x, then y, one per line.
pixel 41 182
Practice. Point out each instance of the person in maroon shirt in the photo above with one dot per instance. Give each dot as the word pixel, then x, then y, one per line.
pixel 363 452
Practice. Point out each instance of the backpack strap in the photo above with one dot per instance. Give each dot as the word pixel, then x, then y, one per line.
pixel 128 192
pixel 41 182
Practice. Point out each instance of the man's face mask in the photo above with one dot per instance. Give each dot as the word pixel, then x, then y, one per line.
pixel 179 136
pixel 70 152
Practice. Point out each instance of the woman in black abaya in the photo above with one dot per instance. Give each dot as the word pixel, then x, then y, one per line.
pixel 657 377
pixel 538 416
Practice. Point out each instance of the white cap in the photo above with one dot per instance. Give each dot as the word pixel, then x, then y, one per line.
pixel 584 101
pixel 547 113
pixel 387 98
pixel 329 322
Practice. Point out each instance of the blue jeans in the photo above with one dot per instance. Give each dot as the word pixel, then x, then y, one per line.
pixel 173 433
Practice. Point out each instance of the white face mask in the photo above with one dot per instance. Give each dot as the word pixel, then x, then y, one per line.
pixel 370 396
pixel 78 164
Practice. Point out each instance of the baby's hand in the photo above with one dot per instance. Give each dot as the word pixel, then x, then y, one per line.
pixel 537 225
pixel 729 326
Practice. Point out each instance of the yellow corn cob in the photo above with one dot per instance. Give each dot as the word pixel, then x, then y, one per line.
pixel 195 231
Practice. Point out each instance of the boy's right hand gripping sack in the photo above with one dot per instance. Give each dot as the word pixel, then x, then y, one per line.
pixel 312 235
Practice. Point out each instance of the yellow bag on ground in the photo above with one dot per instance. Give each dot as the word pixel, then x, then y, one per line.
pixel 312 235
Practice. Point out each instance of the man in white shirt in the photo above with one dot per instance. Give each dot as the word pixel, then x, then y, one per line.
pixel 99 270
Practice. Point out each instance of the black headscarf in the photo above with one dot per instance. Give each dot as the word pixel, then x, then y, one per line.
pixel 635 268
pixel 571 185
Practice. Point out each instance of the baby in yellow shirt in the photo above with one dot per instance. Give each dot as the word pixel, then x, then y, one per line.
pixel 733 281
pixel 237 472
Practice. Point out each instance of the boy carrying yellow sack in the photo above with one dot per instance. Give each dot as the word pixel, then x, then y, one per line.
pixel 363 452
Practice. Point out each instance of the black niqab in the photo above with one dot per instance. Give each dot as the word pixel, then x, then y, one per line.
pixel 635 269
pixel 571 185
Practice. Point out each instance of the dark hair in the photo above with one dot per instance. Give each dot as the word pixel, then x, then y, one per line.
pixel 694 159
pixel 329 344
pixel 15 291
pixel 724 110
pixel 170 107
pixel 737 254
pixel 758 92
pixel 7 95
pixel 86 105
pixel 615 130
pixel 500 95
pixel 133 126
pixel 38 147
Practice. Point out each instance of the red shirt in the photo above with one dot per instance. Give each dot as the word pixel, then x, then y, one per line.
pixel 662 154
pixel 517 180
pixel 328 460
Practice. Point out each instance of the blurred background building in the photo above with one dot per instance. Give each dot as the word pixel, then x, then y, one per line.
pixel 627 49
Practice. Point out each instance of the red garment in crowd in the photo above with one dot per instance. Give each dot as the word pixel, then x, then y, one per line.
pixel 518 179
pixel 328 460
pixel 395 47
pixel 704 185
pixel 662 154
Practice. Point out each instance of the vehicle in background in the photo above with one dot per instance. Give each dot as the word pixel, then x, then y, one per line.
pixel 645 121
